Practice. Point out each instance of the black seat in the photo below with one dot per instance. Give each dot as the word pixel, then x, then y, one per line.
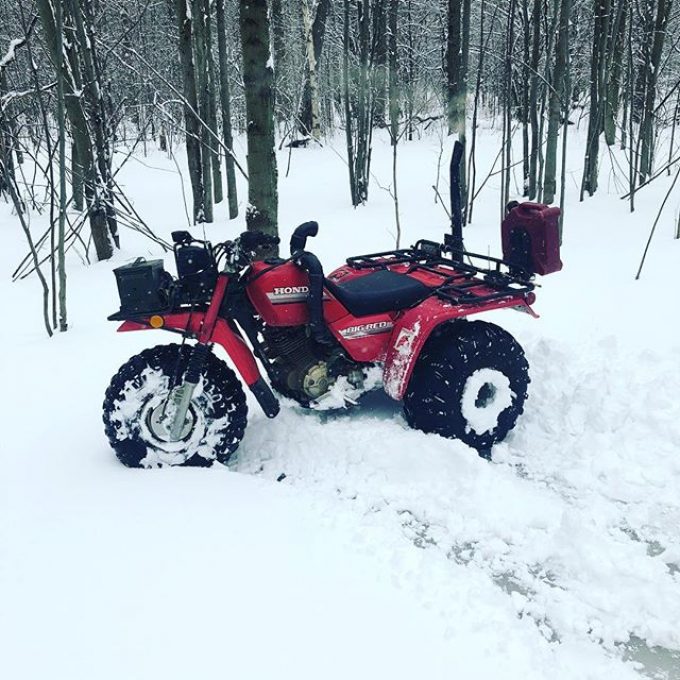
pixel 379 291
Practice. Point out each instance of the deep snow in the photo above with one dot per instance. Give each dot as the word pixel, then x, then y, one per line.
pixel 381 552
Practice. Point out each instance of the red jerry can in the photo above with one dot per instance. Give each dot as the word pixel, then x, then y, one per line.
pixel 531 238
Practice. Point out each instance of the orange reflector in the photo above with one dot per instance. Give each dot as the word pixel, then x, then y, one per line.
pixel 156 321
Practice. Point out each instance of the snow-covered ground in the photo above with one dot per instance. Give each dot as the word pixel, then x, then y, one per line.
pixel 345 545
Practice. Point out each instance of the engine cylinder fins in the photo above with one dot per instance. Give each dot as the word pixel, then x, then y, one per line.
pixel 302 371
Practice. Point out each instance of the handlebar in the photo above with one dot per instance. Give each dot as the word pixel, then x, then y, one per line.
pixel 237 253
pixel 252 240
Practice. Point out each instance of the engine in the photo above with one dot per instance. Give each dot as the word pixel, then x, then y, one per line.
pixel 304 370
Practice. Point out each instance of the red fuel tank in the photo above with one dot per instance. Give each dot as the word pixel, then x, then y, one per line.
pixel 531 238
pixel 279 294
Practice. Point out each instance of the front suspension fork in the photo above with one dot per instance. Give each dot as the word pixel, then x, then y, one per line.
pixel 180 397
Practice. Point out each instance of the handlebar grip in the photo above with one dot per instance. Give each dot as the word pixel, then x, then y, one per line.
pixel 268 240
pixel 298 240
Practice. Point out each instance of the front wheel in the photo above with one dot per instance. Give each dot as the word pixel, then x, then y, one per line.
pixel 469 383
pixel 135 402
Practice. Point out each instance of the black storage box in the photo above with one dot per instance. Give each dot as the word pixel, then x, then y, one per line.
pixel 143 286
pixel 197 272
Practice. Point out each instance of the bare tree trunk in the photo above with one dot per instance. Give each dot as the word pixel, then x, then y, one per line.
pixel 212 105
pixel 76 179
pixel 601 10
pixel 631 113
pixel 652 72
pixel 457 51
pixel 318 35
pixel 349 135
pixel 472 165
pixel 507 111
pixel 462 103
pixel 524 105
pixel 18 207
pixel 379 61
pixel 615 60
pixel 61 254
pixel 364 110
pixel 258 78
pixel 393 98
pixel 51 184
pixel 551 28
pixel 533 97
pixel 566 90
pixel 203 84
pixel 191 123
pixel 82 15
pixel 393 69
pixel 67 67
pixel 671 146
pixel 453 64
pixel 411 68
pixel 278 40
pixel 315 128
pixel 558 102
pixel 225 103
pixel 7 147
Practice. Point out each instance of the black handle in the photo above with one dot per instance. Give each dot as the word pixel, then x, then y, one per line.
pixel 182 237
pixel 298 240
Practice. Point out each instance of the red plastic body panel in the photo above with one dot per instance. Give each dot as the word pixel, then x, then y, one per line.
pixel 541 223
pixel 415 326
pixel 279 295
pixel 209 327
pixel 365 338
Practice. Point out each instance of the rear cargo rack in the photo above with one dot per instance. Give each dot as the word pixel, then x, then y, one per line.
pixel 462 281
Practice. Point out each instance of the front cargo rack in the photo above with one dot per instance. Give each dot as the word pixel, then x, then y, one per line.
pixel 462 282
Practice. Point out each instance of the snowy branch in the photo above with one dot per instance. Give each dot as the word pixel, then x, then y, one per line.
pixel 16 43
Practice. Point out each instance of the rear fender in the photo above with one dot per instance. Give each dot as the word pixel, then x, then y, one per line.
pixel 222 334
pixel 412 330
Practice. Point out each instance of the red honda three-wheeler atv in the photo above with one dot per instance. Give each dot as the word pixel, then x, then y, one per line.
pixel 402 315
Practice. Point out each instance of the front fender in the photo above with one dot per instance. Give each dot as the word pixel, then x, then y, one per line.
pixel 415 326
pixel 232 342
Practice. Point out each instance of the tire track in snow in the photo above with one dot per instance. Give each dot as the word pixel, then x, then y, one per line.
pixel 575 522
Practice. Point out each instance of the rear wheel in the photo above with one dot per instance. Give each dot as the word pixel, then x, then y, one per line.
pixel 469 383
pixel 135 402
